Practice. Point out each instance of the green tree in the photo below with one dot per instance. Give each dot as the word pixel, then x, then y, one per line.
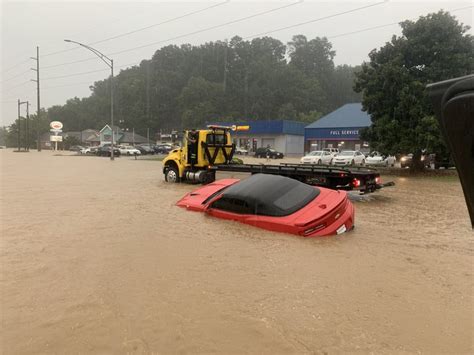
pixel 201 101
pixel 433 48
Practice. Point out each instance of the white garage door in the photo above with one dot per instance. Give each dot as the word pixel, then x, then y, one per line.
pixel 268 142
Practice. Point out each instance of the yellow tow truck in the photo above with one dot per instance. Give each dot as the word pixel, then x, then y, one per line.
pixel 201 151
pixel 209 150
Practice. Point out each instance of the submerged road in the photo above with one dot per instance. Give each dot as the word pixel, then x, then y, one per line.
pixel 95 258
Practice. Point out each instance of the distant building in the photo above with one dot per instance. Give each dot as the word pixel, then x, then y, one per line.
pixel 120 136
pixel 283 135
pixel 86 137
pixel 338 129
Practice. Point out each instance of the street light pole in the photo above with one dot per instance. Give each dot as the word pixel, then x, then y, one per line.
pixel 19 125
pixel 110 63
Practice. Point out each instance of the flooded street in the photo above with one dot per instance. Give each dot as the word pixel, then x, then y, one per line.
pixel 96 258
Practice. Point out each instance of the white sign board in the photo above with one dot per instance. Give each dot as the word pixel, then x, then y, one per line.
pixel 56 138
pixel 56 125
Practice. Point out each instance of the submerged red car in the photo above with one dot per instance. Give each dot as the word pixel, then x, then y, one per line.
pixel 275 203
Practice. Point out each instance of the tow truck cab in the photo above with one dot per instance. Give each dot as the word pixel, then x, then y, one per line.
pixel 201 150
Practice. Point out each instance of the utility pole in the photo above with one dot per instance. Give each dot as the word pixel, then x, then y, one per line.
pixel 38 105
pixel 225 66
pixel 19 125
pixel 148 135
pixel 148 74
pixel 27 128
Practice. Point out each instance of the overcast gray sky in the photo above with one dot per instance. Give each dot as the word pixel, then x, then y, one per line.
pixel 28 24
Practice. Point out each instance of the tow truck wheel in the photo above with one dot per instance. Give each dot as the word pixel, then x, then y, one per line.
pixel 172 175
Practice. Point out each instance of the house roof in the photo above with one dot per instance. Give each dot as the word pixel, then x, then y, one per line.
pixel 349 115
pixel 128 137
pixel 115 128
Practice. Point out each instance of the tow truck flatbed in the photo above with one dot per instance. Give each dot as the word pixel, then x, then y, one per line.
pixel 362 179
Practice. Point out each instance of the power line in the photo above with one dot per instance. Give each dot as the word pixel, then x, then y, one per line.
pixel 75 74
pixel 62 86
pixel 317 19
pixel 142 28
pixel 209 28
pixel 299 24
pixel 88 72
pixel 183 35
pixel 21 84
pixel 16 65
pixel 16 76
pixel 363 30
pixel 387 25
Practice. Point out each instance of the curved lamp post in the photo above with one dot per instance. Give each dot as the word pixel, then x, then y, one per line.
pixel 110 64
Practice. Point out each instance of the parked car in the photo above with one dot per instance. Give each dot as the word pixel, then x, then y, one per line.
pixel 241 151
pixel 436 161
pixel 128 150
pixel 317 157
pixel 145 149
pixel 275 203
pixel 332 151
pixel 162 148
pixel 89 150
pixel 105 151
pixel 405 160
pixel 377 159
pixel 268 152
pixel 349 157
pixel 76 148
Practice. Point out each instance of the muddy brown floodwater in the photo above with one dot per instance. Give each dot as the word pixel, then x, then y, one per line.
pixel 95 258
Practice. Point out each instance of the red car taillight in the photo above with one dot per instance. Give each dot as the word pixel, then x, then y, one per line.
pixel 314 229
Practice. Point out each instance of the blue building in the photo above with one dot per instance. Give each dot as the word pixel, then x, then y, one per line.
pixel 283 135
pixel 338 129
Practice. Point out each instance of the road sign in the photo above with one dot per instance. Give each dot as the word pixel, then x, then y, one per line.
pixel 56 138
pixel 56 125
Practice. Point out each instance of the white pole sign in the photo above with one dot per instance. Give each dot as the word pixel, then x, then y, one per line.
pixel 56 128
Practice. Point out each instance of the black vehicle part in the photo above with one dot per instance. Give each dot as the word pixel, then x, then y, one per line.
pixel 218 147
pixel 268 195
pixel 453 102
pixel 363 179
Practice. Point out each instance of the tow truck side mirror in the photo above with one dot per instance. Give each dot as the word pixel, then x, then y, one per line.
pixel 453 102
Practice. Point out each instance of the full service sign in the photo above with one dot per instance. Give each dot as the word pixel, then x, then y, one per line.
pixel 344 132
pixel 333 133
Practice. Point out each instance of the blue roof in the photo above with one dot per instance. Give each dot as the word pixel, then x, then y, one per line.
pixel 349 115
pixel 269 127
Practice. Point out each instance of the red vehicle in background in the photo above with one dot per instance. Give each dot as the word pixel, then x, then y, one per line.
pixel 275 203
